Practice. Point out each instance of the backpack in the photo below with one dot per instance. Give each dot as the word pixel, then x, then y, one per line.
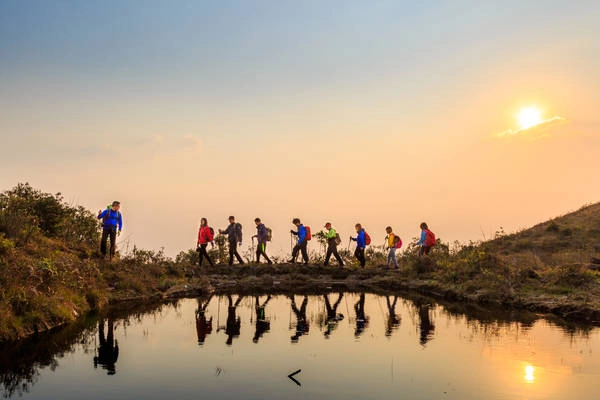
pixel 397 242
pixel 238 232
pixel 429 238
pixel 308 234
pixel 338 239
pixel 211 234
pixel 269 234
pixel 367 239
pixel 107 215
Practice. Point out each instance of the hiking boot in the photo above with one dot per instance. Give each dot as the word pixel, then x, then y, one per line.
pixel 292 261
pixel 269 262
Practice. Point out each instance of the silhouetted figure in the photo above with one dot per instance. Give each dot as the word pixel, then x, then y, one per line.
pixel 426 327
pixel 108 351
pixel 301 321
pixel 233 323
pixel 262 325
pixel 362 321
pixel 332 316
pixel 203 325
pixel 393 321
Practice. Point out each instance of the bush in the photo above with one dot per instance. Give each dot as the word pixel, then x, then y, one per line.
pixel 6 245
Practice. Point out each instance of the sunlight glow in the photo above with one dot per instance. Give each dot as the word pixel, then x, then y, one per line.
pixel 529 117
pixel 529 374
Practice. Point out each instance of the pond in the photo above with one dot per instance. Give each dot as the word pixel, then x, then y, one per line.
pixel 344 345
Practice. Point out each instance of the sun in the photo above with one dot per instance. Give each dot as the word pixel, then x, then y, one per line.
pixel 529 117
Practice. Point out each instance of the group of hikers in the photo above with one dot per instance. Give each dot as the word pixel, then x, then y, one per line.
pixel 112 224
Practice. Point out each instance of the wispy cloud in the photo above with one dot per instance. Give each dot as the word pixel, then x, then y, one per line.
pixel 537 129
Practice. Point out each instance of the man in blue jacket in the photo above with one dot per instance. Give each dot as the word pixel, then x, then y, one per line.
pixel 302 242
pixel 112 220
pixel 361 245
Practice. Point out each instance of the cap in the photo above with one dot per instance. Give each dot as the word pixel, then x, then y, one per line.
pixel 328 223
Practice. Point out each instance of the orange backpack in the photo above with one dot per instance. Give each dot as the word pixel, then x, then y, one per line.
pixel 308 234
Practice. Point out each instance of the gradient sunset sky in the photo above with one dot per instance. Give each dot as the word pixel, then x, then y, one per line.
pixel 385 113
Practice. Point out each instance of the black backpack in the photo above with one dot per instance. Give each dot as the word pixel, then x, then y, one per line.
pixel 238 232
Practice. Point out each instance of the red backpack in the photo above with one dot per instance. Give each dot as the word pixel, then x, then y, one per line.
pixel 308 234
pixel 211 234
pixel 397 242
pixel 367 238
pixel 429 238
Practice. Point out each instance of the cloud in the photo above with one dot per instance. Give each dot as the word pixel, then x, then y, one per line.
pixel 192 142
pixel 536 130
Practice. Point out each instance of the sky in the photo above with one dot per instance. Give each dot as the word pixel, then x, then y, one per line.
pixel 384 113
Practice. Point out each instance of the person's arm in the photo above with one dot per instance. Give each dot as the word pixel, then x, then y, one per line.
pixel 102 214
pixel 301 234
pixel 199 235
pixel 226 231
pixel 294 232
pixel 361 239
pixel 330 234
pixel 423 237
pixel 120 222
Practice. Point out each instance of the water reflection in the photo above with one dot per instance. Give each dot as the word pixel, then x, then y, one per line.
pixel 393 320
pixel 332 316
pixel 108 351
pixel 362 320
pixel 203 325
pixel 505 352
pixel 262 323
pixel 234 323
pixel 302 324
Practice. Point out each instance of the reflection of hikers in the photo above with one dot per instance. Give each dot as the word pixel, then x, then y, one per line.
pixel 426 327
pixel 393 243
pixel 301 321
pixel 205 236
pixel 302 241
pixel 233 323
pixel 262 325
pixel 234 236
pixel 393 320
pixel 362 321
pixel 333 239
pixel 262 236
pixel 427 240
pixel 203 326
pixel 361 244
pixel 111 221
pixel 108 351
pixel 332 316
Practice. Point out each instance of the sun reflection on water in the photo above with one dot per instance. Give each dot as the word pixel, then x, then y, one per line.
pixel 529 374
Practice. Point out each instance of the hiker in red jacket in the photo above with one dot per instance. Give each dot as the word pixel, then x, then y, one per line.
pixel 205 236
pixel 427 240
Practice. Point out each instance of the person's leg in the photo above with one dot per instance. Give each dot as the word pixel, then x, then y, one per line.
pixel 258 253
pixel 201 255
pixel 295 251
pixel 210 261
pixel 105 233
pixel 304 251
pixel 337 256
pixel 389 258
pixel 113 242
pixel 263 248
pixel 237 255
pixel 393 255
pixel 232 248
pixel 328 254
pixel 362 258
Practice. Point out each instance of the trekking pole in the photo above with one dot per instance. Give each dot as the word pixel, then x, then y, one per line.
pixel 349 243
pixel 253 255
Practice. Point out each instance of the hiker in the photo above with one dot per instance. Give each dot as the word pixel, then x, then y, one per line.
pixel 333 239
pixel 234 236
pixel 332 315
pixel 302 242
pixel 426 327
pixel 205 236
pixel 203 326
pixel 393 320
pixel 262 324
pixel 301 321
pixel 362 321
pixel 233 323
pixel 427 240
pixel 108 351
pixel 393 243
pixel 112 224
pixel 262 236
pixel 361 244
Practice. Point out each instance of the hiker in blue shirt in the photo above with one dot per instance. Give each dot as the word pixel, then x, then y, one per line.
pixel 112 224
pixel 361 245
pixel 302 242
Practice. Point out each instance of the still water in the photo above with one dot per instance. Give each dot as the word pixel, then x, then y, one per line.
pixel 346 346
